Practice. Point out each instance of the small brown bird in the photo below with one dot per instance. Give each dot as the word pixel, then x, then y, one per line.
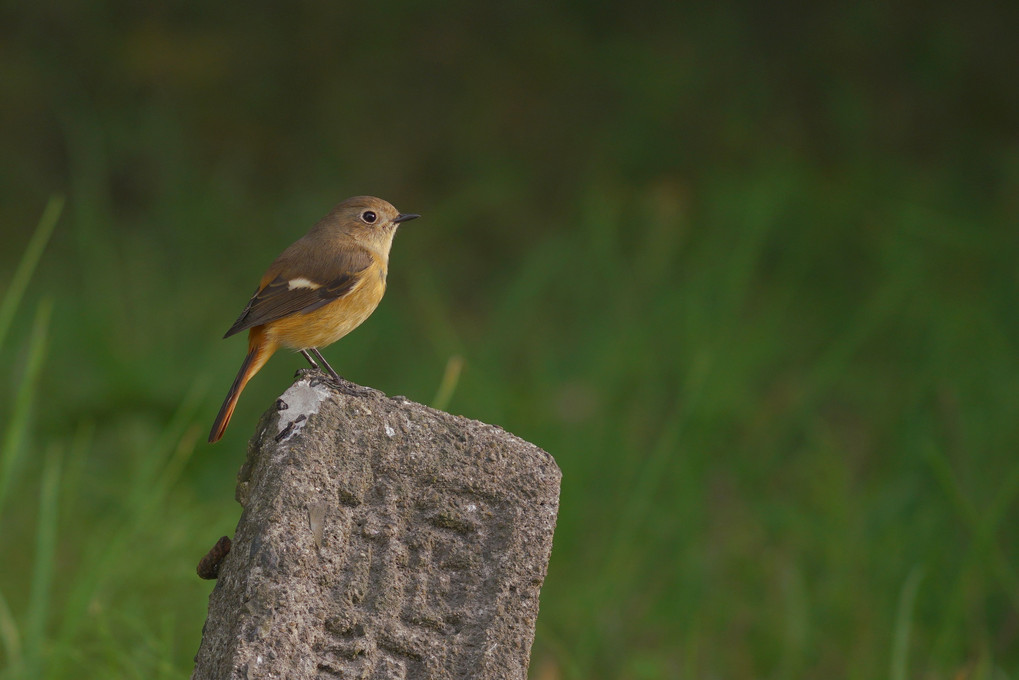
pixel 321 288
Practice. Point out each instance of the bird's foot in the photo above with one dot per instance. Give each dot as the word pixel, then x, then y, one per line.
pixel 337 382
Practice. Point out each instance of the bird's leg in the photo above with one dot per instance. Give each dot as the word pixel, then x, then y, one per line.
pixel 328 368
pixel 307 356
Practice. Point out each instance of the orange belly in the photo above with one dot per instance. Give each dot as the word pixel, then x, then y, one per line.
pixel 328 324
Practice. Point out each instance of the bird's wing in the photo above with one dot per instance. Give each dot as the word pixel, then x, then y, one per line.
pixel 301 288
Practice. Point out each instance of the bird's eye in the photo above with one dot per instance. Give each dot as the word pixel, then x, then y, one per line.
pixel 369 217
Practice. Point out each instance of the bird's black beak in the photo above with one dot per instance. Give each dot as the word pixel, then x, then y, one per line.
pixel 405 217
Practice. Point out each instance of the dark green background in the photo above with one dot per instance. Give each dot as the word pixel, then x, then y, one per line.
pixel 748 271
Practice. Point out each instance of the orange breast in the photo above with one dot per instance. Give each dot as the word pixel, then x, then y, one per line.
pixel 328 324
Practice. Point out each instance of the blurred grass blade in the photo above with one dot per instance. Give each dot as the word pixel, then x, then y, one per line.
pixel 42 572
pixel 143 502
pixel 29 259
pixel 17 426
pixel 652 474
pixel 9 636
pixel 450 378
pixel 904 624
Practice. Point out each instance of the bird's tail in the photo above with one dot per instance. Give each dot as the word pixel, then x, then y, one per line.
pixel 259 351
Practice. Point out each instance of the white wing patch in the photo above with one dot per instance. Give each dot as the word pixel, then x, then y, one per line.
pixel 302 283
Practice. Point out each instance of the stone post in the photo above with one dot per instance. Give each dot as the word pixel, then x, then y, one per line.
pixel 380 539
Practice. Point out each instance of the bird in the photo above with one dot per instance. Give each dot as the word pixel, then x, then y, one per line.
pixel 318 290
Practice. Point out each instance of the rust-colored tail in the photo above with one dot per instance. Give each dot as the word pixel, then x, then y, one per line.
pixel 259 352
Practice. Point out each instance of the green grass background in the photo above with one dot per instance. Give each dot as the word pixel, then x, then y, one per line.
pixel 747 271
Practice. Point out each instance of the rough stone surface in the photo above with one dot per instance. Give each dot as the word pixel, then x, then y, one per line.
pixel 381 539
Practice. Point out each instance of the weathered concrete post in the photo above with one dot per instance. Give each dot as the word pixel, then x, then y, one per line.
pixel 381 539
